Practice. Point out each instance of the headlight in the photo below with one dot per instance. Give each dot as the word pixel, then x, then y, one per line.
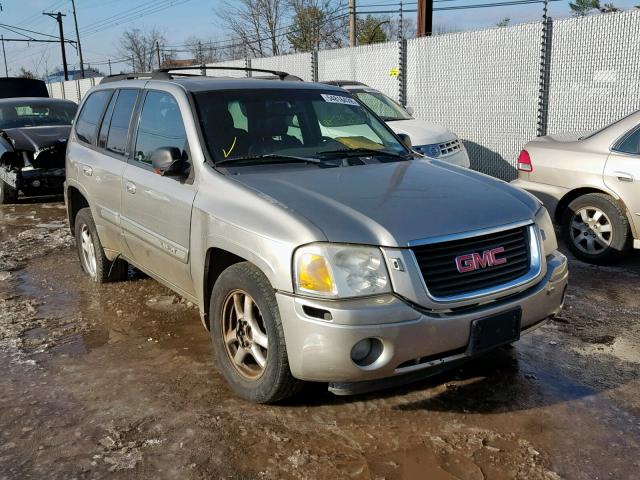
pixel 432 150
pixel 339 271
pixel 543 220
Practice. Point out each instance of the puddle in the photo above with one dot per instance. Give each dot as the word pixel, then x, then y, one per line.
pixel 133 358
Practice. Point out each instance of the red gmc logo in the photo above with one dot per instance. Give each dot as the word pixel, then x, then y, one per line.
pixel 474 261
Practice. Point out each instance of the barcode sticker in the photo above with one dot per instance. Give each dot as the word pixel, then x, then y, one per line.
pixel 339 99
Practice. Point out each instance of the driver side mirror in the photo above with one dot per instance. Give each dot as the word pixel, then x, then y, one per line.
pixel 409 110
pixel 168 162
pixel 406 140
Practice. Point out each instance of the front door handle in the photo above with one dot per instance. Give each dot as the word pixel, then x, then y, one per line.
pixel 624 176
pixel 87 170
pixel 130 186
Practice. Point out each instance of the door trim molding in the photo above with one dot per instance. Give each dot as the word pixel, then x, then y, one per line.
pixel 167 246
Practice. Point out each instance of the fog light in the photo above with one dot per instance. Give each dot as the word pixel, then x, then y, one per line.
pixel 366 351
pixel 360 350
pixel 36 183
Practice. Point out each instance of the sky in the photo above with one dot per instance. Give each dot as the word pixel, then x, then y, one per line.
pixel 184 18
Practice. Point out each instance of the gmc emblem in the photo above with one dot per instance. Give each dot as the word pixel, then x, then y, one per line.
pixel 474 261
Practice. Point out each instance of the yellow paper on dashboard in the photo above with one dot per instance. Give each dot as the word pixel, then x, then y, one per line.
pixel 359 142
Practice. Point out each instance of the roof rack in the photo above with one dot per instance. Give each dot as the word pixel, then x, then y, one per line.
pixel 125 76
pixel 166 72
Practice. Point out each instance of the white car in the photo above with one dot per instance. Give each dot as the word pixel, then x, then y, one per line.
pixel 426 138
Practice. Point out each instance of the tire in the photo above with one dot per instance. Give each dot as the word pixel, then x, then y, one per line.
pixel 596 229
pixel 8 194
pixel 91 254
pixel 259 384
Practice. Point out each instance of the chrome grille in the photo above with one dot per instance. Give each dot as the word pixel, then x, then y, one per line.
pixel 447 148
pixel 437 262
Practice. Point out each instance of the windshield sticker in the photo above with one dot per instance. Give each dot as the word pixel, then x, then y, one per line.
pixel 339 99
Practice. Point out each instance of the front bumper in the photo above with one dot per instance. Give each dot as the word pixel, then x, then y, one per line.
pixel 39 181
pixel 413 340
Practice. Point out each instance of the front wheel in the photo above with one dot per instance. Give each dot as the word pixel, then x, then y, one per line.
pixel 247 335
pixel 596 229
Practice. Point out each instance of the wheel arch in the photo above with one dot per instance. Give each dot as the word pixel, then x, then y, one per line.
pixel 76 201
pixel 579 192
pixel 217 260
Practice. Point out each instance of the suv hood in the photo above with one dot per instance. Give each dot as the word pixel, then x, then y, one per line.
pixel 391 204
pixel 421 132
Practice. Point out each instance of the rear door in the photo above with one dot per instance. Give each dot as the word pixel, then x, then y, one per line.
pixel 100 175
pixel 622 172
pixel 156 210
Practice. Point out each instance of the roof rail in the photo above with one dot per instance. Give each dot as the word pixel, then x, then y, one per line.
pixel 161 72
pixel 125 76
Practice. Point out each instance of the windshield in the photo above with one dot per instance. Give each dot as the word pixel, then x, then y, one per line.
pixel 312 124
pixel 17 115
pixel 383 106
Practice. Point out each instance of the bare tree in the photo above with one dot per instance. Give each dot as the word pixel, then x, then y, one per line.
pixel 141 46
pixel 317 24
pixel 257 23
pixel 203 50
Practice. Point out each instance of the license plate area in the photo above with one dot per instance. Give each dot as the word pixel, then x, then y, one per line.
pixel 491 332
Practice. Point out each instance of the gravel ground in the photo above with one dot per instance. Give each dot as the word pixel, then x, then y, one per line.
pixel 118 381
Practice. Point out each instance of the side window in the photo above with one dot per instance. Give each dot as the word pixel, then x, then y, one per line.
pixel 631 143
pixel 104 128
pixel 120 121
pixel 160 126
pixel 87 123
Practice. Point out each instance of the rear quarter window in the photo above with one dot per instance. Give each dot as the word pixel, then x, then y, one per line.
pixel 87 124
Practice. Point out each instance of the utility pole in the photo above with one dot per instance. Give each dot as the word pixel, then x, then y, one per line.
pixel 58 17
pixel 75 20
pixel 352 23
pixel 110 67
pixel 425 18
pixel 158 51
pixel 4 54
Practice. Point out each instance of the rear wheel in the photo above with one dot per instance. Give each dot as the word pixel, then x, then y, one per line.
pixel 92 257
pixel 247 335
pixel 8 194
pixel 596 228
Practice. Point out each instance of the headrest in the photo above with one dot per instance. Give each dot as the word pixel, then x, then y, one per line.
pixel 273 126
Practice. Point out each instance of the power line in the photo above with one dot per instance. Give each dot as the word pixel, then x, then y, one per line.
pixel 26 30
pixel 130 15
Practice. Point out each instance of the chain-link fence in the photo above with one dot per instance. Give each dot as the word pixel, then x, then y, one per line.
pixel 595 71
pixel 482 85
pixel 485 85
pixel 375 65
pixel 298 64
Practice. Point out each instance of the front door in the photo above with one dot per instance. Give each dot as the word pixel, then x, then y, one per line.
pixel 156 210
pixel 622 173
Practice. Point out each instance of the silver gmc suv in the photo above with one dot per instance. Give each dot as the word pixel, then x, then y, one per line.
pixel 316 245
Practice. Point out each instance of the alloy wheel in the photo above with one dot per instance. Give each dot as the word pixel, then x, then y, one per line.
pixel 591 230
pixel 88 251
pixel 244 334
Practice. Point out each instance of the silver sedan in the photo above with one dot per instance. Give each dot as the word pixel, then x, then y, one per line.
pixel 590 183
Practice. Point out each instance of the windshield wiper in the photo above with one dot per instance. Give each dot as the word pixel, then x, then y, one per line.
pixel 272 157
pixel 363 151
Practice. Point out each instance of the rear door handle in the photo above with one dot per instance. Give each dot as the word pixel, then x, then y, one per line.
pixel 624 176
pixel 130 186
pixel 87 170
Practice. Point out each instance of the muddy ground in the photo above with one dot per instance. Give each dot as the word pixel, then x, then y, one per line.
pixel 118 381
